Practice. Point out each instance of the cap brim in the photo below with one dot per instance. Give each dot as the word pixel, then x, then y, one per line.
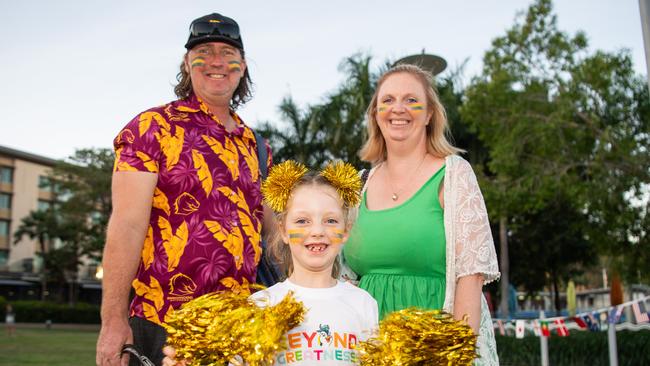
pixel 205 39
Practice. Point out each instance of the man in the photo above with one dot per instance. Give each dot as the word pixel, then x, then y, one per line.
pixel 187 208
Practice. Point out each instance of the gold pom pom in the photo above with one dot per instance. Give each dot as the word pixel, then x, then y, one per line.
pixel 276 189
pixel 420 337
pixel 218 328
pixel 345 178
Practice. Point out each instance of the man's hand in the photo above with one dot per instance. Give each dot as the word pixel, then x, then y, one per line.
pixel 112 336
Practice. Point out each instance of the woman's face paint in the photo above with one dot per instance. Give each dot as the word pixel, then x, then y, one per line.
pixel 382 109
pixel 234 66
pixel 296 236
pixel 416 107
pixel 336 235
pixel 198 61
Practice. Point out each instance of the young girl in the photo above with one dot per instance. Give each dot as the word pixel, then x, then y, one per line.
pixel 313 212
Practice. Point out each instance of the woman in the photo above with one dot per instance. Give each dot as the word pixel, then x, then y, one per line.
pixel 422 237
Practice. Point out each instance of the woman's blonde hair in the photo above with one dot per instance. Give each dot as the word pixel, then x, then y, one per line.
pixel 374 150
pixel 278 251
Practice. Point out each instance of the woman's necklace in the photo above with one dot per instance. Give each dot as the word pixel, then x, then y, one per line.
pixel 397 192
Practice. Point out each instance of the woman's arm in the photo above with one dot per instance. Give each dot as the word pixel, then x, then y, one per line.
pixel 467 300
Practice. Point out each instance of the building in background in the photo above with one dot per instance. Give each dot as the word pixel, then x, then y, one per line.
pixel 25 187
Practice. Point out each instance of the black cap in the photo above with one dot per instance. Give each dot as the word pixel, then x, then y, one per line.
pixel 214 28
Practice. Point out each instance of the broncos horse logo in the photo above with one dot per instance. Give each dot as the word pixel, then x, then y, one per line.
pixel 324 333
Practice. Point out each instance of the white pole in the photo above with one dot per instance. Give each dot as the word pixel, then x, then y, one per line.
pixel 644 10
pixel 611 342
pixel 543 341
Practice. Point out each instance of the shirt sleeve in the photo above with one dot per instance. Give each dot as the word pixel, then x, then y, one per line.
pixel 137 146
pixel 475 253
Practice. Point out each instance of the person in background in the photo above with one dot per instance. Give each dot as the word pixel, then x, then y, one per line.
pixel 422 237
pixel 187 209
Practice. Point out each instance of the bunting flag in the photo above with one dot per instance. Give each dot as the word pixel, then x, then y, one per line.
pixel 580 321
pixel 543 324
pixel 536 329
pixel 615 314
pixel 560 328
pixel 640 313
pixel 592 323
pixel 502 330
pixel 520 327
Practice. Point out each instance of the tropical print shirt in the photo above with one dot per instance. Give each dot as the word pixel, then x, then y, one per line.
pixel 204 229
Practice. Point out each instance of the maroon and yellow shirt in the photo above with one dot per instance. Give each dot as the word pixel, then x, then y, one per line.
pixel 204 230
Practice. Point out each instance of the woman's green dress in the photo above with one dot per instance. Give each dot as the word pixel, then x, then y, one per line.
pixel 399 252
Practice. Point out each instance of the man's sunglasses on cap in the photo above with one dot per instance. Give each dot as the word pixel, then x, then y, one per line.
pixel 213 28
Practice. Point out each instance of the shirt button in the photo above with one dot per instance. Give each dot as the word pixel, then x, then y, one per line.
pixel 231 161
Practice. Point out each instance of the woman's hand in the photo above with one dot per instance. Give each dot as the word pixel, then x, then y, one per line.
pixel 170 357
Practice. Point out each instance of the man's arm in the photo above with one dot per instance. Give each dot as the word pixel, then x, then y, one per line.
pixel 132 197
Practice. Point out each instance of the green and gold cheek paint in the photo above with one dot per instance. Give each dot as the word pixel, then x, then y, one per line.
pixel 197 61
pixel 382 109
pixel 234 66
pixel 336 235
pixel 297 236
pixel 416 107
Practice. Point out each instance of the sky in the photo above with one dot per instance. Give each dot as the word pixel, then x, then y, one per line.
pixel 73 72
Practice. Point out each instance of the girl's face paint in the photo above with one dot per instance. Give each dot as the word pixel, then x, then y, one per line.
pixel 234 66
pixel 198 61
pixel 296 236
pixel 336 235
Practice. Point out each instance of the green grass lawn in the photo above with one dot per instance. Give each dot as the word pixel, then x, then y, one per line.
pixel 47 347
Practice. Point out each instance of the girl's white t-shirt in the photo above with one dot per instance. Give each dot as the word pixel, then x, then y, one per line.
pixel 337 319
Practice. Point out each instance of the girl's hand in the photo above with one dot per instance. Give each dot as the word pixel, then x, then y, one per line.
pixel 170 357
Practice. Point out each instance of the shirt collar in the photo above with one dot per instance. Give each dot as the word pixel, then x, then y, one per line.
pixel 194 104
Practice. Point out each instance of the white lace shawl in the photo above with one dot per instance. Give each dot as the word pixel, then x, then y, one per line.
pixel 470 247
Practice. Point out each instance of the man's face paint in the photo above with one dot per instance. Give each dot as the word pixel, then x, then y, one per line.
pixel 198 61
pixel 296 236
pixel 234 66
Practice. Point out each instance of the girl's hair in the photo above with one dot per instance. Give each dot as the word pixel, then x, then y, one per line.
pixel 243 93
pixel 278 251
pixel 374 150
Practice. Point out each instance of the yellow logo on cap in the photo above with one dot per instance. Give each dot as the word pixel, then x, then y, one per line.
pixel 214 21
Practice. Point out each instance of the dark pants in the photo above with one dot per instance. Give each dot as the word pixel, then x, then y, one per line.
pixel 149 338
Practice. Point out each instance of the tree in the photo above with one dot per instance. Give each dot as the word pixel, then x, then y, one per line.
pixel 555 121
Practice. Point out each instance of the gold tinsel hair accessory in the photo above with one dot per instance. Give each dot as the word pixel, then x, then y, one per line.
pixel 345 178
pixel 277 187
pixel 282 178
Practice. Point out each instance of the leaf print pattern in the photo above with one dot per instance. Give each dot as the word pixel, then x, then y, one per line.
pixel 202 171
pixel 160 200
pixel 250 159
pixel 174 244
pixel 153 292
pixel 123 166
pixel 253 232
pixel 151 165
pixel 232 240
pixel 145 121
pixel 150 313
pixel 236 287
pixel 237 199
pixel 148 249
pixel 227 152
pixel 171 145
